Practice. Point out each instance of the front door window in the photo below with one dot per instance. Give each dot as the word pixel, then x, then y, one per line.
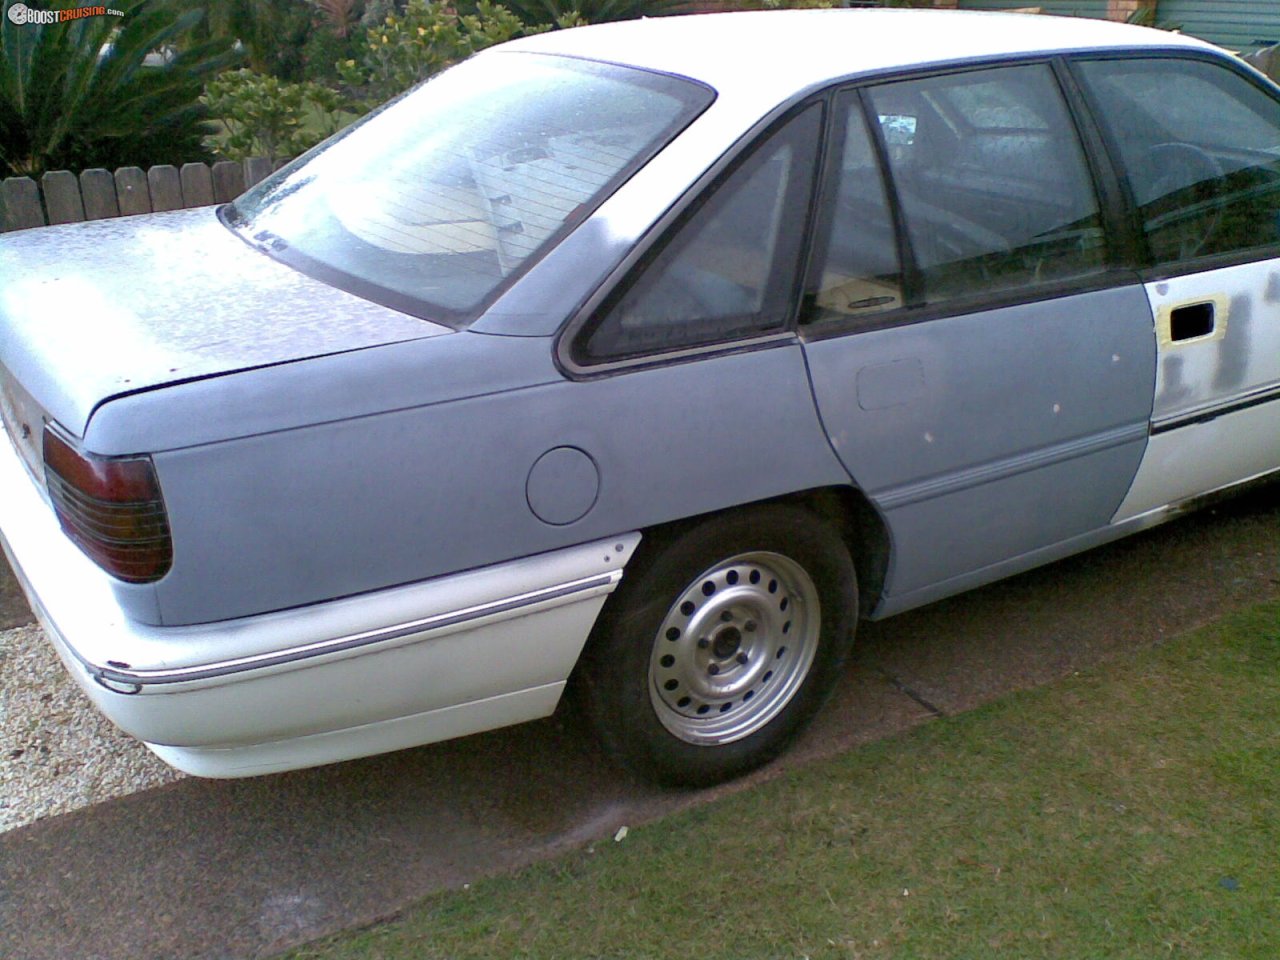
pixel 1200 146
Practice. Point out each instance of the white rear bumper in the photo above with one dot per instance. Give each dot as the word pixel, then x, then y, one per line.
pixel 296 688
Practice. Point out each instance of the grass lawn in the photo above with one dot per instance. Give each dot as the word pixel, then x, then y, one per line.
pixel 1129 812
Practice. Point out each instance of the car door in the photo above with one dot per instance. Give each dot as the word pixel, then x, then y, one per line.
pixel 983 372
pixel 1199 146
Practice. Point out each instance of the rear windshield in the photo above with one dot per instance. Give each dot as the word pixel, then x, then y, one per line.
pixel 435 203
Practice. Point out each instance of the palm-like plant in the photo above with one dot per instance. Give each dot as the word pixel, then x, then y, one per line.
pixel 79 94
pixel 271 33
pixel 340 15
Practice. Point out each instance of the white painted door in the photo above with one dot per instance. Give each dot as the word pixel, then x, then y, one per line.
pixel 1198 142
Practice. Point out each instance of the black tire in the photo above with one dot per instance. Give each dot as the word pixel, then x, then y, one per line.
pixel 720 643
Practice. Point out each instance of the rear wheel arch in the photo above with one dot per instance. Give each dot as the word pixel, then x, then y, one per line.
pixel 850 512
pixel 816 545
pixel 864 531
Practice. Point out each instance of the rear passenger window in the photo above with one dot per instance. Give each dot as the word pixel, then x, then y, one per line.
pixel 991 179
pixel 1200 146
pixel 729 269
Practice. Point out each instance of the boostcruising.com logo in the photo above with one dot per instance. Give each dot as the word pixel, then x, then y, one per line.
pixel 21 14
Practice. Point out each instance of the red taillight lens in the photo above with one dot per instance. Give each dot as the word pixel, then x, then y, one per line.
pixel 111 508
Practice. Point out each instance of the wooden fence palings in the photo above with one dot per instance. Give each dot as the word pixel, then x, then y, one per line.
pixel 62 197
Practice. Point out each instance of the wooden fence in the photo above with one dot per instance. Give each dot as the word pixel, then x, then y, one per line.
pixel 62 197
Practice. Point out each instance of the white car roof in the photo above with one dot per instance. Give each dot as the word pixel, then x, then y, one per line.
pixel 797 49
pixel 757 63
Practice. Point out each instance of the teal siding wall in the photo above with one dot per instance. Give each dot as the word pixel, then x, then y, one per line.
pixel 1236 24
pixel 1074 8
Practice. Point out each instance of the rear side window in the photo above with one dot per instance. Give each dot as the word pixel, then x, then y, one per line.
pixel 857 269
pixel 991 180
pixel 728 270
pixel 1200 147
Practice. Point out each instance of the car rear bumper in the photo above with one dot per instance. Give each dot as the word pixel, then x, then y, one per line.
pixel 342 679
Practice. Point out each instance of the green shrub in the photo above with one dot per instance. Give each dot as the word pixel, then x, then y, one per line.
pixel 571 13
pixel 263 116
pixel 426 37
pixel 325 50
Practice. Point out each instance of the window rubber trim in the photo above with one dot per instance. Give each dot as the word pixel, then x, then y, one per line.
pixel 1128 257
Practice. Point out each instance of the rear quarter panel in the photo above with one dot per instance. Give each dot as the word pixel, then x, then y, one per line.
pixel 311 512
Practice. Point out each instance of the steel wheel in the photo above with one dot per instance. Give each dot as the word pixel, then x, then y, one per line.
pixel 734 648
pixel 724 637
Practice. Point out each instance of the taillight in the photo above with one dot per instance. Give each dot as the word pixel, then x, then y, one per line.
pixel 111 508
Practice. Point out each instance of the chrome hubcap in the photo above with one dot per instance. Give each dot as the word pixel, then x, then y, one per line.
pixel 734 648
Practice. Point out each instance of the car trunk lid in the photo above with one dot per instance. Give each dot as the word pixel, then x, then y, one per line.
pixel 95 310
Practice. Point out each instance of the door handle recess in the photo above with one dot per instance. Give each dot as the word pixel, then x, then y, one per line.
pixel 1204 318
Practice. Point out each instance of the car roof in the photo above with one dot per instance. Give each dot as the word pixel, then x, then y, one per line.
pixel 798 49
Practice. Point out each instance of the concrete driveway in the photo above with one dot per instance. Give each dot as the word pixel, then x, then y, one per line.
pixel 217 869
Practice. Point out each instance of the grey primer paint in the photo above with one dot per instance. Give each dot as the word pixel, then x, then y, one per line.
pixel 987 436
pixel 109 307
pixel 431 488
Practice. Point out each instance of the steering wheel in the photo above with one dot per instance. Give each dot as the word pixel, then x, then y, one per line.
pixel 1182 231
